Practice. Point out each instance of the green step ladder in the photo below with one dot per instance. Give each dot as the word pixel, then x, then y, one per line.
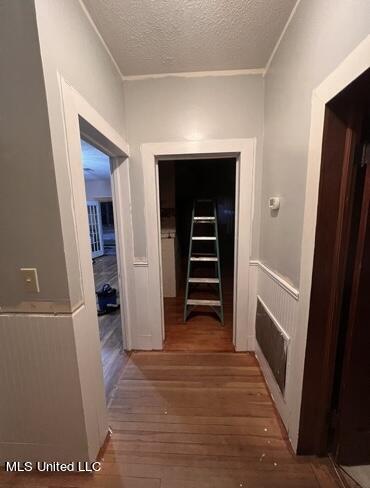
pixel 212 255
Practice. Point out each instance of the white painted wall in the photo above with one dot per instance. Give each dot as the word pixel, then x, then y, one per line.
pixel 38 216
pixel 320 35
pixel 98 189
pixel 29 215
pixel 71 47
pixel 53 405
pixel 181 109
pixel 40 405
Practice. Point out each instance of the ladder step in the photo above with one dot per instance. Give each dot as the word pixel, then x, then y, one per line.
pixel 211 255
pixel 204 280
pixel 204 254
pixel 215 303
pixel 206 219
pixel 203 258
pixel 204 238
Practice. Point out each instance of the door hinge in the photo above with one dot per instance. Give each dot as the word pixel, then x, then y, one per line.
pixel 365 156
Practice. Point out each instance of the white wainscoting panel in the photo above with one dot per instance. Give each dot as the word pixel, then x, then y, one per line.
pixel 41 411
pixel 142 333
pixel 276 295
pixel 280 300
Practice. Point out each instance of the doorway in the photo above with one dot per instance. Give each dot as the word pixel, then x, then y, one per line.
pixel 210 185
pixel 102 233
pixel 243 151
pixel 336 395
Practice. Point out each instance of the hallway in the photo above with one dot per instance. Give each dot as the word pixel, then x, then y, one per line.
pixel 198 420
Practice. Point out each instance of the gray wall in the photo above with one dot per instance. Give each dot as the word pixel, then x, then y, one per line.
pixel 321 34
pixel 38 367
pixel 53 403
pixel 175 109
pixel 71 47
pixel 29 215
pixel 97 189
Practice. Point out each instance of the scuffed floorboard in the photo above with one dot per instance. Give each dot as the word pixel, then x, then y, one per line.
pixel 193 420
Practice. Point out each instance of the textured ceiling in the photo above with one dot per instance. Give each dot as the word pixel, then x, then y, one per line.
pixel 163 36
pixel 95 163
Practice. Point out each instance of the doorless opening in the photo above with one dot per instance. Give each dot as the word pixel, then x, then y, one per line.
pixel 243 152
pixel 198 259
pixel 82 120
pixel 103 240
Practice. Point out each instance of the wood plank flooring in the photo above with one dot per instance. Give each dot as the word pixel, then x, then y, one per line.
pixel 110 328
pixel 112 354
pixel 193 420
pixel 202 331
pixel 105 271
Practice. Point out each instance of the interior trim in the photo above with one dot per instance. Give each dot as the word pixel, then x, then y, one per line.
pixel 197 74
pixel 294 292
pixel 244 152
pixel 356 63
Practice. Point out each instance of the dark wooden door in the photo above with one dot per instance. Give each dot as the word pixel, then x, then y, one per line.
pixel 352 436
pixel 335 413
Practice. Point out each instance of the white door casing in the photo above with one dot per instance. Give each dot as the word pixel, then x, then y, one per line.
pixel 82 119
pixel 356 63
pixel 244 152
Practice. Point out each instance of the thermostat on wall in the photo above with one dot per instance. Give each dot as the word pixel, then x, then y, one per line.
pixel 274 203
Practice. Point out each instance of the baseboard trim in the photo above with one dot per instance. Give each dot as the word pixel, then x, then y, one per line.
pixel 104 446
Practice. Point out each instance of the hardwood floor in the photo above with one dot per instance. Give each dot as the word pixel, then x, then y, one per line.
pixel 105 271
pixel 203 330
pixel 110 329
pixel 192 420
pixel 113 356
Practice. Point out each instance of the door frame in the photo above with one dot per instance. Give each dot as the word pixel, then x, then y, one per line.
pixel 356 63
pixel 81 120
pixel 243 150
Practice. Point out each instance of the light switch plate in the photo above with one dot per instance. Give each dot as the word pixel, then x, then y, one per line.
pixel 30 280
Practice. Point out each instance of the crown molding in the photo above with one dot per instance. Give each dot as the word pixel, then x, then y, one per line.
pixel 197 74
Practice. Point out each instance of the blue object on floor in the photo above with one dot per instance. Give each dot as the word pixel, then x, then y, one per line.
pixel 106 296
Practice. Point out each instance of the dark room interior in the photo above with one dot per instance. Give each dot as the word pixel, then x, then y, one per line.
pixel 182 182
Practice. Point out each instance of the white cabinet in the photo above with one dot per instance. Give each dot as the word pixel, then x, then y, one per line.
pixel 169 265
